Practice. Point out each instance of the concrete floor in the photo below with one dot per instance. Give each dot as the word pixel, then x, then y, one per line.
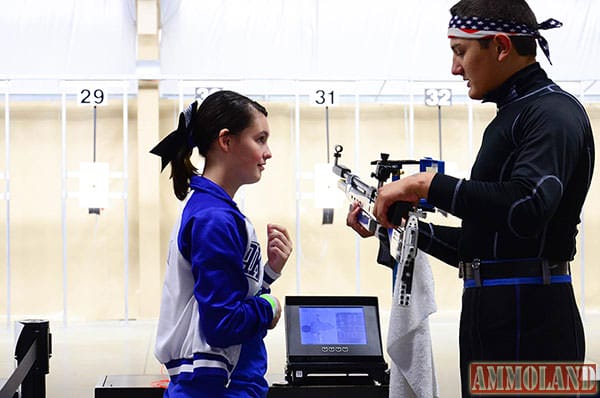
pixel 83 353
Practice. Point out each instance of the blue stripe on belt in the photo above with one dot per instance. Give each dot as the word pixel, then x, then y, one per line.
pixel 533 280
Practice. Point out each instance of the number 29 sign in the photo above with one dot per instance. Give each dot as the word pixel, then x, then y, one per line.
pixel 91 97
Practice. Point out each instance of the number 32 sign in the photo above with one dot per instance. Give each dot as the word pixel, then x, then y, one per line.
pixel 438 97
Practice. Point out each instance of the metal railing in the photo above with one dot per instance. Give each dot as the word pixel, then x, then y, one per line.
pixel 32 352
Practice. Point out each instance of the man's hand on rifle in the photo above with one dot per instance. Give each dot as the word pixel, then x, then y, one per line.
pixel 352 221
pixel 407 189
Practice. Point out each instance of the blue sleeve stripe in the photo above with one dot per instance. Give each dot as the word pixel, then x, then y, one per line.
pixel 269 276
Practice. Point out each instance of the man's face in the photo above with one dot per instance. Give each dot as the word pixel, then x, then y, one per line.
pixel 478 66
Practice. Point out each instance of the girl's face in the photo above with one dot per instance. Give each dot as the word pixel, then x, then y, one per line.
pixel 251 150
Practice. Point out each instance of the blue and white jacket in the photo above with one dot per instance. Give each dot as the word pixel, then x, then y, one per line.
pixel 210 305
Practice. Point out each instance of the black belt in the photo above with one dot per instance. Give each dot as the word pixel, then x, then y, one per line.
pixel 479 270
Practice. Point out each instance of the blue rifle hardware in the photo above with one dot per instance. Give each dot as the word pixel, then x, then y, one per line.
pixel 403 240
pixel 403 248
pixel 403 237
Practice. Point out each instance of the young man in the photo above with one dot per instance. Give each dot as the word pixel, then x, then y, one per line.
pixel 521 206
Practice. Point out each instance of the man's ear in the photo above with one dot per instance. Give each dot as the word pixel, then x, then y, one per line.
pixel 224 140
pixel 503 46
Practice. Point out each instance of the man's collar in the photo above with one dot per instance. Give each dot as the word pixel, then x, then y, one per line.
pixel 516 85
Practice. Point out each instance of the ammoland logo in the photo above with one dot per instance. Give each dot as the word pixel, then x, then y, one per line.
pixel 524 378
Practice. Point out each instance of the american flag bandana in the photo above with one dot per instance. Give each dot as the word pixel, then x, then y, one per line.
pixel 482 28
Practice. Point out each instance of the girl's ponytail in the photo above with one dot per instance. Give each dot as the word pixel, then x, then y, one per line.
pixel 176 148
pixel 182 171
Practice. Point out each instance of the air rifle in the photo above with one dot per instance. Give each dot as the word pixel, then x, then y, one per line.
pixel 402 238
pixel 361 192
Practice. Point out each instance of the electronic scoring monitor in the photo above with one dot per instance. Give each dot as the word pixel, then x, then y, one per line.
pixel 332 334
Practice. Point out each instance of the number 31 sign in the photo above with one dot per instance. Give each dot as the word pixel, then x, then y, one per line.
pixel 322 97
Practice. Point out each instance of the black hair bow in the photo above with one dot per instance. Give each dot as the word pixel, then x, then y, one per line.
pixel 168 147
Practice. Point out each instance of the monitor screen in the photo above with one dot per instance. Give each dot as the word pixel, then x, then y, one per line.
pixel 332 325
pixel 332 328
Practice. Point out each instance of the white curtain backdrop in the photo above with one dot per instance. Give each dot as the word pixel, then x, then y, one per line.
pixel 62 37
pixel 349 39
pixel 271 39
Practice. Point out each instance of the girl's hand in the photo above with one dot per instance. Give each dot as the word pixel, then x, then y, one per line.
pixel 279 246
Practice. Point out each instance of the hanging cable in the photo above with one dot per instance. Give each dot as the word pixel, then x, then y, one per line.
pixel 327 130
pixel 327 212
pixel 94 210
pixel 94 154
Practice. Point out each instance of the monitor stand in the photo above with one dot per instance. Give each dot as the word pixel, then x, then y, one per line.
pixel 307 373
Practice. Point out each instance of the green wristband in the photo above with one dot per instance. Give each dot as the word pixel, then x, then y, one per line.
pixel 271 301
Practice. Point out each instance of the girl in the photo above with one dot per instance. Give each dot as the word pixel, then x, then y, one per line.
pixel 215 308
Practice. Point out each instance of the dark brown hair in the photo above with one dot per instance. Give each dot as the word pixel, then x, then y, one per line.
pixel 220 110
